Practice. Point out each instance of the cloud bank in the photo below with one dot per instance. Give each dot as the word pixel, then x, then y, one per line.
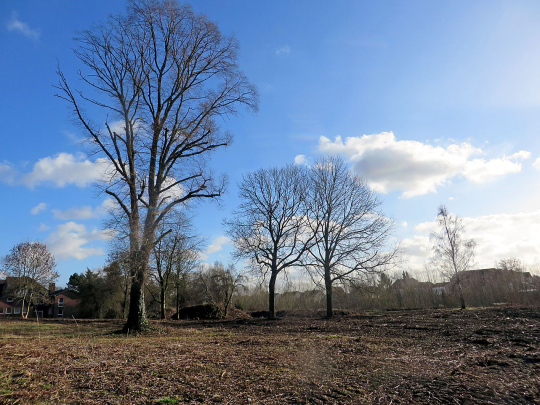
pixel 499 236
pixel 416 168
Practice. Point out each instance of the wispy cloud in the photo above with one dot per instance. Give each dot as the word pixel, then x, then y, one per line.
pixel 85 212
pixel 283 50
pixel 8 174
pixel 14 24
pixel 43 227
pixel 38 208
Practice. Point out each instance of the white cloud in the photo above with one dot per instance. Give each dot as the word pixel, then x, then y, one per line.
pixel 38 208
pixel 86 211
pixel 498 236
pixel 415 167
pixel 300 160
pixel 536 164
pixel 65 169
pixel 217 244
pixel 14 24
pixel 67 241
pixel 404 224
pixel 283 50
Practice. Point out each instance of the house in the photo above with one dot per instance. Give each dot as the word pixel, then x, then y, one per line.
pixel 65 304
pixel 45 303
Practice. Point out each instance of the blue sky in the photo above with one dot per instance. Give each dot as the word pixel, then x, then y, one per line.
pixel 433 102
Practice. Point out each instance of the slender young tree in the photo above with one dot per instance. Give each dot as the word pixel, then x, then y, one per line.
pixel 33 267
pixel 270 227
pixel 163 77
pixel 350 234
pixel 169 254
pixel 452 253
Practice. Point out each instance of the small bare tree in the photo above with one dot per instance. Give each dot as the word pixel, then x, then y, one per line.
pixel 169 255
pixel 452 254
pixel 219 284
pixel 350 234
pixel 269 227
pixel 511 264
pixel 163 77
pixel 33 268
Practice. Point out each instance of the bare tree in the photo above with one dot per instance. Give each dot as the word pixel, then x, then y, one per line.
pixel 163 77
pixel 452 253
pixel 33 268
pixel 269 227
pixel 351 235
pixel 219 284
pixel 511 264
pixel 169 255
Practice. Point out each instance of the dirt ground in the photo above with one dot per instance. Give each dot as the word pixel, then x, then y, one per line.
pixel 487 356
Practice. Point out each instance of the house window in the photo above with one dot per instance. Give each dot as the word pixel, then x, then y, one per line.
pixel 1 311
pixel 8 311
pixel 60 302
pixel 60 313
pixel 10 299
pixel 16 310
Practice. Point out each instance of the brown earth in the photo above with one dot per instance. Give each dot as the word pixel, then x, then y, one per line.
pixel 487 356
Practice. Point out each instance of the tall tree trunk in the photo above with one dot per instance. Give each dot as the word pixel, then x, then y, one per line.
pixel 162 302
pixel 461 298
pixel 177 298
pixel 328 285
pixel 271 295
pixel 137 309
pixel 124 302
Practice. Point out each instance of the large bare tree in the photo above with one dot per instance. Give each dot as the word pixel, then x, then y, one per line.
pixel 162 77
pixel 452 253
pixel 269 227
pixel 32 267
pixel 351 234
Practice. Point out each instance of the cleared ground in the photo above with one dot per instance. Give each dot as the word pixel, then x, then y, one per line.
pixel 473 356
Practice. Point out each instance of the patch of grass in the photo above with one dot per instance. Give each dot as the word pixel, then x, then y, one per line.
pixel 167 400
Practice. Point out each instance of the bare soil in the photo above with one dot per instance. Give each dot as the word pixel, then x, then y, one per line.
pixel 480 356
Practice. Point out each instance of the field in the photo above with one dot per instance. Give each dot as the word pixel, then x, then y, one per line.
pixel 439 356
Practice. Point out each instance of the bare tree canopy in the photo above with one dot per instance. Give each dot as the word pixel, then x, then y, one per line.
pixel 32 265
pixel 162 77
pixel 351 235
pixel 269 227
pixel 452 253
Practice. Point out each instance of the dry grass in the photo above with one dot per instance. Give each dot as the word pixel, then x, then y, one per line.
pixel 476 356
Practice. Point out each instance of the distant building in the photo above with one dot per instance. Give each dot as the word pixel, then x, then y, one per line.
pixel 45 303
